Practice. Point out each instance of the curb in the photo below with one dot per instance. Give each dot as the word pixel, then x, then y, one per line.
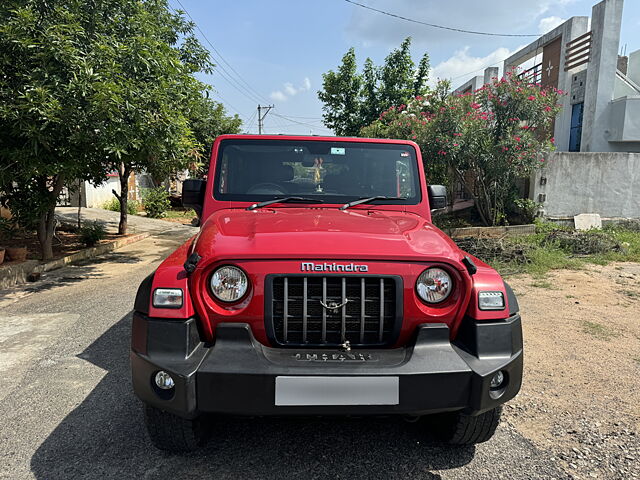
pixel 11 275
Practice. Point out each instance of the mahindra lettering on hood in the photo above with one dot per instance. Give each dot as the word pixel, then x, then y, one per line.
pixel 318 285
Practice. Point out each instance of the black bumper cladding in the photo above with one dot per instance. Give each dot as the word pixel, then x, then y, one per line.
pixel 238 375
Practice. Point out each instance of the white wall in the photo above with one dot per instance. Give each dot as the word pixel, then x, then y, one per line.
pixel 603 183
pixel 96 195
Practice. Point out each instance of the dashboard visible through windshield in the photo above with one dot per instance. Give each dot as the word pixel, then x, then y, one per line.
pixel 331 172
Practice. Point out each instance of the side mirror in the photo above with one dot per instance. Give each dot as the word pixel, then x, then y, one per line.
pixel 193 194
pixel 437 197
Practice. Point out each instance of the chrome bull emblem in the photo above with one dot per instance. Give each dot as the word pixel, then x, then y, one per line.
pixel 334 306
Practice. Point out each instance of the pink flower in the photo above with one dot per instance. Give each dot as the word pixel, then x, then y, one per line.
pixel 457 134
pixel 456 145
pixel 517 139
pixel 542 160
pixel 553 140
pixel 505 149
pixel 475 105
pixel 414 137
pixel 547 109
pixel 531 97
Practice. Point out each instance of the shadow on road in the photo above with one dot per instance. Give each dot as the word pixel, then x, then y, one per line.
pixel 104 437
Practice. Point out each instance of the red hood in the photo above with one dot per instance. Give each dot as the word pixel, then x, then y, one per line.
pixel 323 233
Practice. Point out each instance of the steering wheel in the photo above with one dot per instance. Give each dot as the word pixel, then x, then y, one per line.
pixel 266 189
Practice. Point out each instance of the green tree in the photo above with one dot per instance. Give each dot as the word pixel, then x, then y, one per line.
pixel 370 106
pixel 497 135
pixel 341 97
pixel 46 138
pixel 421 78
pixel 397 77
pixel 207 120
pixel 148 94
pixel 352 100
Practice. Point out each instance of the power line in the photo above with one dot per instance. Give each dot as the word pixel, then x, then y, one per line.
pixel 250 122
pixel 301 123
pixel 220 55
pixel 237 85
pixel 442 26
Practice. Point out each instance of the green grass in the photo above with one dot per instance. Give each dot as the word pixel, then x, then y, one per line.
pixel 598 331
pixel 637 360
pixel 186 214
pixel 631 294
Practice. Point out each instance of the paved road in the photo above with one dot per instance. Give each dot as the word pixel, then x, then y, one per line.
pixel 67 410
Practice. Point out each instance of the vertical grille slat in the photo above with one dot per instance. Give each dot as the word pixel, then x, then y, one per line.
pixel 286 309
pixel 362 316
pixel 381 330
pixel 324 311
pixel 365 315
pixel 304 311
pixel 343 311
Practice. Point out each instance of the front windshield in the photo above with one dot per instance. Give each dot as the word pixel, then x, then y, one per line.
pixel 327 171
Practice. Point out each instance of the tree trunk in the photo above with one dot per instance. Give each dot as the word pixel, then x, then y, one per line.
pixel 124 173
pixel 46 223
pixel 79 204
pixel 480 207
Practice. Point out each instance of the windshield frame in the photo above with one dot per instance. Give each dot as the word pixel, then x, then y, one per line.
pixel 323 199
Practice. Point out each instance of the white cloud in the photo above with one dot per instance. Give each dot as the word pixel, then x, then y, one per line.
pixel 462 66
pixel 549 23
pixel 278 95
pixel 289 90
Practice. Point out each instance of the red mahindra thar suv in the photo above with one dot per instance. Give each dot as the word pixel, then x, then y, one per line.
pixel 317 285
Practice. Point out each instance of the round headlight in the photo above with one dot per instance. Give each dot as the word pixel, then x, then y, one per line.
pixel 434 285
pixel 229 284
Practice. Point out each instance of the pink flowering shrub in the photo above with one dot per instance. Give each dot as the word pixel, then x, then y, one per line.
pixel 498 133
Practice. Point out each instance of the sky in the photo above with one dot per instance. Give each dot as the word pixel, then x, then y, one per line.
pixel 275 52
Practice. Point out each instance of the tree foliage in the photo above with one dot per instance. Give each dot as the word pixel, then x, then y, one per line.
pixel 487 139
pixel 45 138
pixel 93 86
pixel 352 100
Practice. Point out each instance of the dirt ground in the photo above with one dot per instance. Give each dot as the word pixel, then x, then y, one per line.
pixel 580 398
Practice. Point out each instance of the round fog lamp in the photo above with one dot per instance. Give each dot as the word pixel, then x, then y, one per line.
pixel 164 380
pixel 497 380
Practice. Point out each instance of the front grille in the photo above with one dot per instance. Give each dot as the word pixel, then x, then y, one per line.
pixel 368 315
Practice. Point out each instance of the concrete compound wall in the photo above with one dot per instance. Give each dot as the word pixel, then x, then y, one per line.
pixel 603 183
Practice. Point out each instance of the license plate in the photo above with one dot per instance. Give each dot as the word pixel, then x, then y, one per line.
pixel 301 391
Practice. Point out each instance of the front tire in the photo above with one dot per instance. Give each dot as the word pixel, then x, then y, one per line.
pixel 175 434
pixel 459 429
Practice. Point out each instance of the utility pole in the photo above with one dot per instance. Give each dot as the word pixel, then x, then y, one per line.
pixel 261 116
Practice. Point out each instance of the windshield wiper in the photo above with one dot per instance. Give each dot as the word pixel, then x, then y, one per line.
pixel 283 200
pixel 368 200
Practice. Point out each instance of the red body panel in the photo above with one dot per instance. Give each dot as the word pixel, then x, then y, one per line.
pixel 390 239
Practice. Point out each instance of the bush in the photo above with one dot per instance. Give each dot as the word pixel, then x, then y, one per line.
pixel 91 233
pixel 527 209
pixel 8 228
pixel 113 204
pixel 156 202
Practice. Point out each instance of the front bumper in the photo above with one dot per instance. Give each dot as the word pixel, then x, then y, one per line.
pixel 238 375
